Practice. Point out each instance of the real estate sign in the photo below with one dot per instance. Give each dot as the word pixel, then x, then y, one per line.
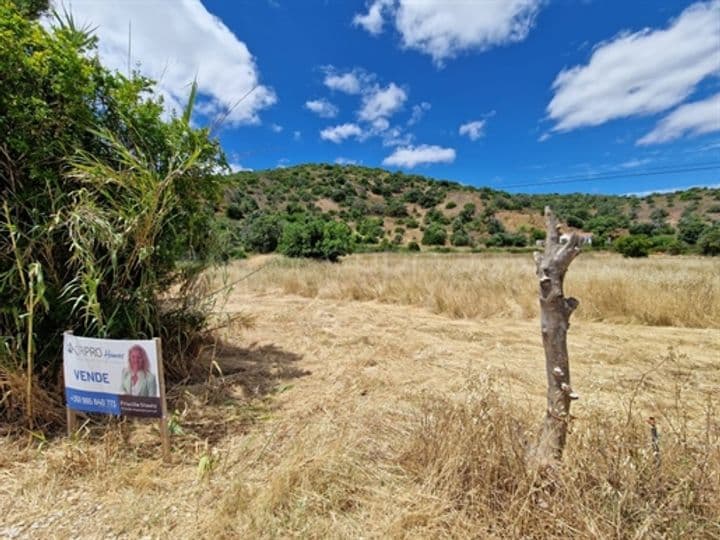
pixel 113 376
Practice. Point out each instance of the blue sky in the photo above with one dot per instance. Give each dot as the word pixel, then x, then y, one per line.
pixel 504 94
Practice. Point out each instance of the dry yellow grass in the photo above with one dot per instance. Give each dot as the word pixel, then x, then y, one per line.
pixel 660 291
pixel 345 419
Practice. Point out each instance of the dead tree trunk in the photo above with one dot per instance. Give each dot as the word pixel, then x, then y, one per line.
pixel 555 311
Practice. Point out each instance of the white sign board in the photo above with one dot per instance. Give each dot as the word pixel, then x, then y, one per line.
pixel 112 376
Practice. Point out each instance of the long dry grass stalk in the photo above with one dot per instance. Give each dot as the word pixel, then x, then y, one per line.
pixel 660 291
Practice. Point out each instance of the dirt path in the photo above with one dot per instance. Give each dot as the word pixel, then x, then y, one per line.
pixel 307 365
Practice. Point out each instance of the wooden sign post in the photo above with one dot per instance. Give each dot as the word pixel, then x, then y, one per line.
pixel 164 431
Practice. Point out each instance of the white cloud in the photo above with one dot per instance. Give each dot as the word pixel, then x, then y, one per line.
pixel 411 156
pixel 396 137
pixel 544 137
pixel 276 128
pixel 693 118
pixel 345 161
pixel 350 82
pixel 382 102
pixel 297 135
pixel 322 107
pixel 474 129
pixel 341 132
pixel 640 73
pixel 174 44
pixel 237 167
pixel 634 163
pixel 443 29
pixel 372 21
pixel 418 111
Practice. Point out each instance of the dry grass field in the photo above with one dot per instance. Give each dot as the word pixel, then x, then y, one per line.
pixel 391 396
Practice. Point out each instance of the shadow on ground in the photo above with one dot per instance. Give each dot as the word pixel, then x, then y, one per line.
pixel 239 393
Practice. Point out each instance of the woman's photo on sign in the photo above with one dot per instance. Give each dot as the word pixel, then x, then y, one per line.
pixel 137 379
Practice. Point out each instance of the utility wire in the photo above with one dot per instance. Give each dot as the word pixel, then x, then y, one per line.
pixel 610 176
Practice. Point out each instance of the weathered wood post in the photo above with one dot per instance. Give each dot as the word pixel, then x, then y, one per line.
pixel 555 311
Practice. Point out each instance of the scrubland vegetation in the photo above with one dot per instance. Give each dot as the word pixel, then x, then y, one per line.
pixel 391 211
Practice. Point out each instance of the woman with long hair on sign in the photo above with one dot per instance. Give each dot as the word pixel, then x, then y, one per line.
pixel 137 380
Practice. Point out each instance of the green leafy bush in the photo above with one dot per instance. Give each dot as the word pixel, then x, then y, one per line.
pixel 261 232
pixel 110 218
pixel 505 239
pixel 434 235
pixel 317 239
pixel 709 241
pixel 413 246
pixel 690 228
pixel 371 230
pixel 633 246
pixel 460 238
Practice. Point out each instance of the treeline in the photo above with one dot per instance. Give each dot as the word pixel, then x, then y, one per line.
pixel 381 210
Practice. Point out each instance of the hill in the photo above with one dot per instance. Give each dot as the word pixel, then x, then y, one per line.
pixel 386 209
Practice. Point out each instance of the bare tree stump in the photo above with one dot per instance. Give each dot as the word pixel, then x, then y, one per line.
pixel 555 311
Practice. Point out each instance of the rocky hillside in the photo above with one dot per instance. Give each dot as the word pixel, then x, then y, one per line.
pixel 386 209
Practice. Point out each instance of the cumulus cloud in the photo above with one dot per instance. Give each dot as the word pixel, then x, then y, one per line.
pixel 322 107
pixel 349 82
pixel 411 156
pixel 690 119
pixel 418 111
pixel 640 73
pixel 443 29
pixel 373 20
pixel 276 128
pixel 339 133
pixel 474 129
pixel 382 102
pixel 224 67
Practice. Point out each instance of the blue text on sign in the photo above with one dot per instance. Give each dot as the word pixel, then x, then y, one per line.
pixel 92 376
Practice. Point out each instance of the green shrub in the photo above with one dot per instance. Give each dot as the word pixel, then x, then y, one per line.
pixel 633 246
pixel 261 232
pixel 111 217
pixel 411 223
pixel 413 246
pixel 233 212
pixel 667 243
pixel 690 228
pixel 576 222
pixel 450 205
pixel 371 230
pixel 505 239
pixel 709 241
pixel 434 235
pixel 316 239
pixel 460 238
